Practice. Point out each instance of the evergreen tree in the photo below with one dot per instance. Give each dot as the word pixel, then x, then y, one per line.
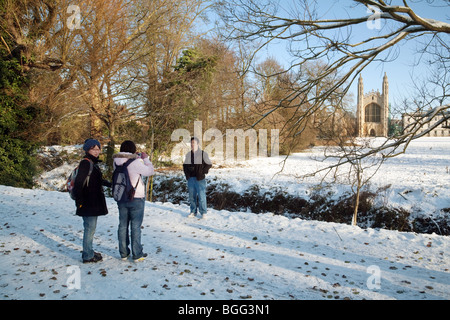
pixel 17 164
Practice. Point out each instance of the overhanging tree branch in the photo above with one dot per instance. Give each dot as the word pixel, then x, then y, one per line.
pixel 334 42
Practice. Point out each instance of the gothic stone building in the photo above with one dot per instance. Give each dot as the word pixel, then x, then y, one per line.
pixel 372 110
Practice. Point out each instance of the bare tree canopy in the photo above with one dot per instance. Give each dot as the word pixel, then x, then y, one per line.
pixel 346 45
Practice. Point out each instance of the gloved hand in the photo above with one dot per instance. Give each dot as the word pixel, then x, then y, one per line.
pixel 144 155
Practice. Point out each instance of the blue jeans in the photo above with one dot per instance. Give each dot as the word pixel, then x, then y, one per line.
pixel 197 195
pixel 89 224
pixel 131 214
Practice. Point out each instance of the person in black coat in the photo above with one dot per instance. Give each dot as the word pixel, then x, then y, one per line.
pixel 196 165
pixel 89 197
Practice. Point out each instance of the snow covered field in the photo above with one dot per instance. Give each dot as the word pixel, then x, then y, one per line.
pixel 418 181
pixel 228 256
pixel 234 255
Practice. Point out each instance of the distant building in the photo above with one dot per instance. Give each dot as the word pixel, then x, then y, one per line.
pixel 443 130
pixel 372 111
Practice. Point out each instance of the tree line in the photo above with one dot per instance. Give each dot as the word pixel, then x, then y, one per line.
pixel 123 68
pixel 117 69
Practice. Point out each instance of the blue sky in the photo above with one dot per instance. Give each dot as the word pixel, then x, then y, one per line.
pixel 403 68
pixel 401 71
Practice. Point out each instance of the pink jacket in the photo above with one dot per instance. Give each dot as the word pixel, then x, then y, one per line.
pixel 135 169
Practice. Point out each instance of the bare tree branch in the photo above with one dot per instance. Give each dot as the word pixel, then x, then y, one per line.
pixel 332 41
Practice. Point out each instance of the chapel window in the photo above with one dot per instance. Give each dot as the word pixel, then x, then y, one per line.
pixel 373 113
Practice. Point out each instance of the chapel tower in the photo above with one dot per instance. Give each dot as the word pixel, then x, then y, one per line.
pixel 372 111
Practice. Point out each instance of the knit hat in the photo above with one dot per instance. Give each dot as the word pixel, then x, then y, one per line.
pixel 90 143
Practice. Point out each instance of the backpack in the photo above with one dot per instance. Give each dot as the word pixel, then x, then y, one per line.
pixel 122 189
pixel 70 184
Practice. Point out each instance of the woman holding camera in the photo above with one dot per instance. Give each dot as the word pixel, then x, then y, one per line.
pixel 131 214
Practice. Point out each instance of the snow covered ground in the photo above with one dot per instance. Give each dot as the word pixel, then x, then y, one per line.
pixel 233 255
pixel 228 256
pixel 418 180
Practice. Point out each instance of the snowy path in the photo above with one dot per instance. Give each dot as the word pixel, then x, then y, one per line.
pixel 228 256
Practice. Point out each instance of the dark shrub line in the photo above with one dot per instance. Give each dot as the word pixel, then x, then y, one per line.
pixel 320 207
